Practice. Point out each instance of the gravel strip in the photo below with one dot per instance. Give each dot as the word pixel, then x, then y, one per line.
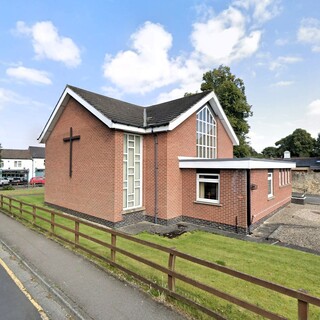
pixel 297 225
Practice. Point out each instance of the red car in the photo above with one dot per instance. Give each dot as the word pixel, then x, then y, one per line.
pixel 37 181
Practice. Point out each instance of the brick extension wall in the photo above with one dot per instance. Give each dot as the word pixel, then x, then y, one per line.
pixel 232 209
pixel 261 205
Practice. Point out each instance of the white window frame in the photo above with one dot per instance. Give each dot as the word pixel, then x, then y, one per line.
pixel 17 164
pixel 270 181
pixel 206 134
pixel 215 178
pixel 131 171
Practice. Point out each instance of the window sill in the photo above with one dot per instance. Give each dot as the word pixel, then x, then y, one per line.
pixel 271 198
pixel 208 203
pixel 125 211
pixel 285 185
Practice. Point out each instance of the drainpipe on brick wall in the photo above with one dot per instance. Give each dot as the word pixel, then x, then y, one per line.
pixel 155 139
pixel 248 200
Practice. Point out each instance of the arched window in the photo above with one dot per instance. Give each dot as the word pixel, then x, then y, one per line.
pixel 206 134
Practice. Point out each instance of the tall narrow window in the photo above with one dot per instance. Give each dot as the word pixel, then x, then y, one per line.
pixel 206 134
pixel 270 184
pixel 132 171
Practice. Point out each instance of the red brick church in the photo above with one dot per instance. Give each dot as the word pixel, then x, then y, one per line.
pixel 118 163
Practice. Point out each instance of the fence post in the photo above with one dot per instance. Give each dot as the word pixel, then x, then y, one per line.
pixel 76 233
pixel 303 310
pixel 52 223
pixel 171 266
pixel 1 201
pixel 113 243
pixel 10 205
pixel 20 208
pixel 33 214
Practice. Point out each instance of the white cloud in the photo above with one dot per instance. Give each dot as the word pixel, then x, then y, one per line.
pixel 309 32
pixel 283 83
pixel 282 61
pixel 48 44
pixel 224 38
pixel 9 97
pixel 262 10
pixel 147 65
pixel 314 108
pixel 30 75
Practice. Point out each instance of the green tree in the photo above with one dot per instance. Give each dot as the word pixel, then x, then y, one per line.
pixel 232 97
pixel 300 144
pixel 317 147
pixel 270 152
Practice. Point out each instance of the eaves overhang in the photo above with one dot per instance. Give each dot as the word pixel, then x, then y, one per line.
pixel 233 163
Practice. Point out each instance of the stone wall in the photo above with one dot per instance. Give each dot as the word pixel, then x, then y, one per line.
pixel 306 181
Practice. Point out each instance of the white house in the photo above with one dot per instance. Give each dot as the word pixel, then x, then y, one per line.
pixel 23 164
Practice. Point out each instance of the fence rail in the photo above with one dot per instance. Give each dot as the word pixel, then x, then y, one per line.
pixel 26 211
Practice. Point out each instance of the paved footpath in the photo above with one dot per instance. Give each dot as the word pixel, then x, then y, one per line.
pixel 86 291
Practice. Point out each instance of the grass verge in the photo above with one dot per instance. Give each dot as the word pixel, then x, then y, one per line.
pixel 287 267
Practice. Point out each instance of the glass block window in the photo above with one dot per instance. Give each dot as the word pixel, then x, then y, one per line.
pixel 270 184
pixel 132 171
pixel 206 134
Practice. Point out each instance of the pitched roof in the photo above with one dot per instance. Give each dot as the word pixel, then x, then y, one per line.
pixel 15 154
pixel 37 152
pixel 125 116
pixel 115 110
pixel 31 153
pixel 163 113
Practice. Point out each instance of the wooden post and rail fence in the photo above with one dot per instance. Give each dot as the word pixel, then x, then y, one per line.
pixel 35 214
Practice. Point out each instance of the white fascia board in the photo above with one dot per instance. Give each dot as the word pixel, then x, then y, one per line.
pixel 53 117
pixel 224 120
pixel 60 107
pixel 90 108
pixel 157 129
pixel 127 128
pixel 198 163
pixel 216 107
pixel 185 115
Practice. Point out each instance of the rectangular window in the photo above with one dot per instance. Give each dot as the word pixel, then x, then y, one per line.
pixel 132 171
pixel 208 187
pixel 270 184
pixel 17 164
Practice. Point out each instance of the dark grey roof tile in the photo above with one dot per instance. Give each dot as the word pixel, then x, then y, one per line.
pixel 131 114
pixel 115 110
pixel 164 113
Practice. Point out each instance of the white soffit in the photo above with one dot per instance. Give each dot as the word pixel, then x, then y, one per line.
pixel 245 163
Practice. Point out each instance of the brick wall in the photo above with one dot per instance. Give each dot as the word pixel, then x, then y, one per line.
pixel 261 205
pixel 225 146
pixel 232 209
pixel 179 142
pixel 96 171
pixel 96 185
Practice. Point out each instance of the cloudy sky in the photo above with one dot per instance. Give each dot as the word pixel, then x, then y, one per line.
pixel 145 52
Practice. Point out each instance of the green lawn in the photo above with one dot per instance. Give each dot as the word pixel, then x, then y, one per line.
pixel 291 268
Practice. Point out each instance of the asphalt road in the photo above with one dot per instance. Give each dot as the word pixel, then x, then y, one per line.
pixel 85 290
pixel 14 305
